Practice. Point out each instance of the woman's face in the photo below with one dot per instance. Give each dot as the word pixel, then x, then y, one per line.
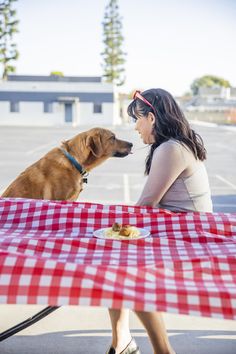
pixel 144 126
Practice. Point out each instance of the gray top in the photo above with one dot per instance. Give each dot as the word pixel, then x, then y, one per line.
pixel 177 181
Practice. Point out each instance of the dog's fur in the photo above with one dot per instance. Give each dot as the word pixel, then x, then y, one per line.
pixel 54 177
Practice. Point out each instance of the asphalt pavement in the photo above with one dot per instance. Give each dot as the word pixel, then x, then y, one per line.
pixel 87 330
pixel 121 180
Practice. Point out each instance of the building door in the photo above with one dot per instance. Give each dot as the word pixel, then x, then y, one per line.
pixel 68 113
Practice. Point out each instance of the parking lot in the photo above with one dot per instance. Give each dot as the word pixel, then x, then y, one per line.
pixel 87 330
pixel 121 180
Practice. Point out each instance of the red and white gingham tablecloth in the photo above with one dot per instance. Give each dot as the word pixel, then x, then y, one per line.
pixel 48 255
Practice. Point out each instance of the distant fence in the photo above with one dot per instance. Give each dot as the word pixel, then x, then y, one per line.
pixel 224 117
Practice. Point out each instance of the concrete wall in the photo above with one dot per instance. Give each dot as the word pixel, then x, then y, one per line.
pixel 38 86
pixel 32 114
pixel 223 117
pixel 82 95
pixel 87 117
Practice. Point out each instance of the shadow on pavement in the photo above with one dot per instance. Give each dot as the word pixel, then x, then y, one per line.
pixel 97 341
pixel 224 203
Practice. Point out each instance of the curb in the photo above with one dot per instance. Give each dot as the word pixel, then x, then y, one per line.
pixel 213 125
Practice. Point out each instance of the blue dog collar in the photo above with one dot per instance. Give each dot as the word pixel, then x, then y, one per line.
pixel 76 164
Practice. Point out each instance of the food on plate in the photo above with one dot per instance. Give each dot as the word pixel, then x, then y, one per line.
pixel 126 230
pixel 118 231
pixel 116 226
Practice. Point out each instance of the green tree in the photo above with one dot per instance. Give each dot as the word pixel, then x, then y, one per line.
pixel 8 26
pixel 56 73
pixel 113 55
pixel 208 81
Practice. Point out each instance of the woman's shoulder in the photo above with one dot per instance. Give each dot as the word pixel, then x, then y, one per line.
pixel 175 145
pixel 173 142
pixel 169 145
pixel 168 149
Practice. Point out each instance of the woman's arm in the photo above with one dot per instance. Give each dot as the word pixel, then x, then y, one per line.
pixel 167 164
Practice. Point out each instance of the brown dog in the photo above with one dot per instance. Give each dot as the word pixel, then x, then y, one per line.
pixel 59 175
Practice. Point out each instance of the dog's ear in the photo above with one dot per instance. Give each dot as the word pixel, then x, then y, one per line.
pixel 94 144
pixel 65 144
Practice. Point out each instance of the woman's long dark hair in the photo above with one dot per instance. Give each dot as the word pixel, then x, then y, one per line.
pixel 170 123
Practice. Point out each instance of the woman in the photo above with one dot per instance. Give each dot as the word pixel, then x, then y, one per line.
pixel 177 181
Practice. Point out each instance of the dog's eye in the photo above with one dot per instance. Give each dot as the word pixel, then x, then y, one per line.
pixel 113 138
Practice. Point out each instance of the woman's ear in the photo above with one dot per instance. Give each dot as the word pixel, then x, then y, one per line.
pixel 151 117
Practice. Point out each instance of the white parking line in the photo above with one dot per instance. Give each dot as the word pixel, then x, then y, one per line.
pixel 225 181
pixel 224 205
pixel 39 148
pixel 126 188
pixel 108 173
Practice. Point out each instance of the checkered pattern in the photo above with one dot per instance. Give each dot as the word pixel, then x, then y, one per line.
pixel 48 255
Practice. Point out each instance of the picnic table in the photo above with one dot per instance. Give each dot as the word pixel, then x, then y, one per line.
pixel 49 256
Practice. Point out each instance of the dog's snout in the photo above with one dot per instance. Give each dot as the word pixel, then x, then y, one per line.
pixel 130 145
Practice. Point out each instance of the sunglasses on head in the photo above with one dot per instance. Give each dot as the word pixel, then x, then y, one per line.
pixel 137 94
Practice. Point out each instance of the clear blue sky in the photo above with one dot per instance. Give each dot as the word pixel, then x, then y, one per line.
pixel 168 43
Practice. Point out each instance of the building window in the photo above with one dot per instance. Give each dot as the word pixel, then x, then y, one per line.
pixel 14 107
pixel 97 108
pixel 47 107
pixel 68 113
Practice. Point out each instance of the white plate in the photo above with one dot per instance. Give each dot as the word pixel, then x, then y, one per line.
pixel 101 233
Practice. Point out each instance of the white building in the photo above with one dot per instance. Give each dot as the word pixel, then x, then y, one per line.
pixel 56 100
